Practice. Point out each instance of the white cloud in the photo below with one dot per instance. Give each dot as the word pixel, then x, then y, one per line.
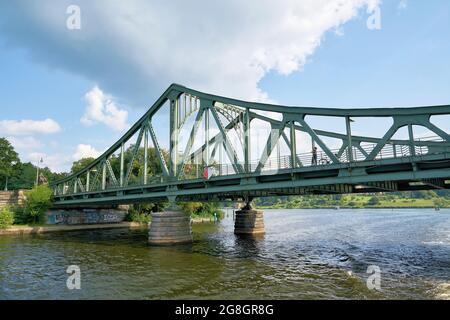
pixel 135 49
pixel 101 108
pixel 28 127
pixel 85 151
pixel 403 4
pixel 57 162
pixel 25 144
pixel 61 162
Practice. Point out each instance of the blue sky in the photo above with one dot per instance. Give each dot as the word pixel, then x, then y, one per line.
pixel 336 62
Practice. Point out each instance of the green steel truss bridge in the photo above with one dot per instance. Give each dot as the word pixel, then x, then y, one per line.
pixel 222 148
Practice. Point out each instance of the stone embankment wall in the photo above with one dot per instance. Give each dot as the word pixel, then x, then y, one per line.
pixel 11 198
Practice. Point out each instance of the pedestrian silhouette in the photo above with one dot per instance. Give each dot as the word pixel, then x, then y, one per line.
pixel 314 156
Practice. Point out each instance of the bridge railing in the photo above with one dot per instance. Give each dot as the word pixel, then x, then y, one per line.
pixel 390 151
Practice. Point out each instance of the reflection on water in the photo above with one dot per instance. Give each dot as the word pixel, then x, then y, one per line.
pixel 305 254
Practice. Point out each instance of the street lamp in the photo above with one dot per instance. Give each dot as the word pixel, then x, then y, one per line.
pixel 37 171
pixel 14 163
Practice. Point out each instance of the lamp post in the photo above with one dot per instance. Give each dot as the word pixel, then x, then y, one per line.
pixel 14 163
pixel 37 171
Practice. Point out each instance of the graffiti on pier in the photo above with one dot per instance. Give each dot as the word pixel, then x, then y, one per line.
pixel 85 216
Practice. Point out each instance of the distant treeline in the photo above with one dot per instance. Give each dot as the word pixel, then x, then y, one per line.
pixel 429 198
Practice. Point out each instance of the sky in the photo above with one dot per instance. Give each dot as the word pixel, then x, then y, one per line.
pixel 69 92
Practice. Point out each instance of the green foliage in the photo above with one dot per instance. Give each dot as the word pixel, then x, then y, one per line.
pixel 373 201
pixel 20 216
pixel 154 169
pixel 37 202
pixel 81 164
pixel 140 217
pixel 6 217
pixel 9 161
pixel 201 208
pixel 25 178
pixel 142 212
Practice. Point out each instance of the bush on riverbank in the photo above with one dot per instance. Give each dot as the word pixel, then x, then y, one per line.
pixel 201 209
pixel 37 201
pixel 6 217
pixel 142 212
pixel 139 217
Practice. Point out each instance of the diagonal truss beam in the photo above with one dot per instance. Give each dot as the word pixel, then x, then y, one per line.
pixel 226 143
pixel 319 141
pixel 190 143
pixel 289 144
pixel 111 173
pixel 135 152
pixel 272 140
pixel 392 130
pixel 162 162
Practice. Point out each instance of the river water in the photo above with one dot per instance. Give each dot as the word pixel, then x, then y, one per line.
pixel 305 254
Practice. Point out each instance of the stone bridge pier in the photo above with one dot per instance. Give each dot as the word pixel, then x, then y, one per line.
pixel 175 227
pixel 170 227
pixel 249 221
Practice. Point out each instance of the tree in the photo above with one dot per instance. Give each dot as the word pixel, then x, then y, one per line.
pixel 81 164
pixel 6 217
pixel 373 201
pixel 9 161
pixel 37 202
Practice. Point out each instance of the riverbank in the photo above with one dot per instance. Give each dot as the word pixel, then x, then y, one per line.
pixel 359 202
pixel 20 230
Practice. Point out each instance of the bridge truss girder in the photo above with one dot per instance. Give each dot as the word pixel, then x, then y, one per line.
pixel 233 120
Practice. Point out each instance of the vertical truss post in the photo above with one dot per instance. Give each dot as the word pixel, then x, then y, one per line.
pixel 122 162
pixel 145 155
pixel 206 156
pixel 104 176
pixel 247 146
pixel 173 136
pixel 349 138
pixel 293 146
pixel 88 178
pixel 412 149
pixel 75 185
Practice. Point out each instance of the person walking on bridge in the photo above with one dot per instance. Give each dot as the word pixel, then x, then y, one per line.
pixel 314 157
